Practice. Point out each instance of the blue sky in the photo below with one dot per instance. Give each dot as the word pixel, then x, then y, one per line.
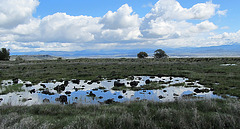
pixel 71 25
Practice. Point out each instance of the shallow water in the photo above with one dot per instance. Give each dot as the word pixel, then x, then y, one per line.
pixel 88 92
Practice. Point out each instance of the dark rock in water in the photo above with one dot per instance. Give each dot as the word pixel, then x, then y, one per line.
pixel 60 88
pixel 91 94
pixel 109 101
pixel 89 83
pixel 32 91
pixel 100 97
pixel 174 94
pixel 76 89
pixel 46 101
pixel 47 92
pixel 201 90
pixel 118 84
pixel 44 86
pixel 76 81
pixel 68 92
pixel 120 96
pixel 76 97
pixel 161 97
pixel 164 90
pixel 15 81
pixel 65 83
pixel 152 77
pixel 30 99
pixel 105 90
pixel 63 99
pixel 124 91
pixel 149 92
pixel 28 85
pixel 134 83
pixel 95 89
pixel 211 89
pixel 147 81
pixel 1 99
pixel 197 90
pixel 98 82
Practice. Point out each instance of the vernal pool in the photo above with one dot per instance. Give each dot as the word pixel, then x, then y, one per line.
pixel 134 88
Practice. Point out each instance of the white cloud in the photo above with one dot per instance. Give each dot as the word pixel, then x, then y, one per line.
pixel 222 12
pixel 123 18
pixel 168 19
pixel 15 12
pixel 227 37
pixel 171 9
pixel 204 26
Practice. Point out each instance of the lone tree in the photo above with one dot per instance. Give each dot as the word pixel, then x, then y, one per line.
pixel 4 54
pixel 142 55
pixel 159 53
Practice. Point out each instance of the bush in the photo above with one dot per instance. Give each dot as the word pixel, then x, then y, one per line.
pixel 159 53
pixel 142 55
pixel 4 54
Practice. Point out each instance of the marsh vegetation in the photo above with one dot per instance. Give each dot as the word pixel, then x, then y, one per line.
pixel 213 73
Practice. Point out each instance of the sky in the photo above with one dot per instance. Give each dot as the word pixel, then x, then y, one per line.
pixel 75 25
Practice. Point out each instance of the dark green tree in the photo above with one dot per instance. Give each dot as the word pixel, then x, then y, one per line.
pixel 159 53
pixel 142 55
pixel 4 54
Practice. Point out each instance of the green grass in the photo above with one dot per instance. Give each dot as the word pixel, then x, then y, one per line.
pixel 207 114
pixel 11 88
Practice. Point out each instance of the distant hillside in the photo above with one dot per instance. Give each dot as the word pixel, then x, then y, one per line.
pixel 213 51
pixel 34 57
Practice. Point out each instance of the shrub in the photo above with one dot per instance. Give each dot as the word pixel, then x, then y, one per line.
pixel 142 55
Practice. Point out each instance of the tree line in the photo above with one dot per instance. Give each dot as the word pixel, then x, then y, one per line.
pixel 159 53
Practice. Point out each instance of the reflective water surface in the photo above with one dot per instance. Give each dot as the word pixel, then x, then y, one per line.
pixel 101 92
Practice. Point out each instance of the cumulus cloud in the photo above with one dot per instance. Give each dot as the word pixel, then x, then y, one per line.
pixel 228 37
pixel 61 27
pixel 204 26
pixel 120 25
pixel 15 12
pixel 123 18
pixel 168 19
pixel 171 9
pixel 167 24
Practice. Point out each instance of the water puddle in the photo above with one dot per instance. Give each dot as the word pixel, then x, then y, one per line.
pixel 228 65
pixel 135 88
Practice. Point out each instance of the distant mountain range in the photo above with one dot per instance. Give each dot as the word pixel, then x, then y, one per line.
pixel 213 51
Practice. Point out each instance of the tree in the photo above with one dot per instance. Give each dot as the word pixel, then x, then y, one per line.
pixel 4 54
pixel 159 53
pixel 142 55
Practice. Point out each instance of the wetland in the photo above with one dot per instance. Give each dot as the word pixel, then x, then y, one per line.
pixel 106 93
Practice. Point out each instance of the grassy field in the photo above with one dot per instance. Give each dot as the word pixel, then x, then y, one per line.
pixel 225 80
pixel 208 114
